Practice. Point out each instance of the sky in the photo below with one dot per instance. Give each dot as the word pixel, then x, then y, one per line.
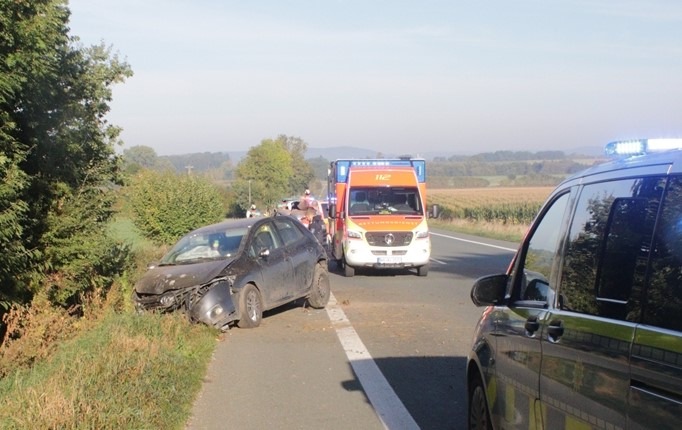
pixel 392 76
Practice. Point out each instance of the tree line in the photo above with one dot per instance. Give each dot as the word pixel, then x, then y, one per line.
pixel 522 168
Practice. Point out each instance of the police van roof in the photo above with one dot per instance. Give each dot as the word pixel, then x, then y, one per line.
pixel 648 156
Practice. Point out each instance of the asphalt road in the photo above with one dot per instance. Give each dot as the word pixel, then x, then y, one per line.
pixel 388 352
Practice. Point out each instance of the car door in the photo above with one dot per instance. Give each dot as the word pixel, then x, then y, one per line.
pixel 276 268
pixel 517 336
pixel 656 361
pixel 587 337
pixel 301 250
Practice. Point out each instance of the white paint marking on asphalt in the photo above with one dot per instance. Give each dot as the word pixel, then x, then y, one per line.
pixel 473 241
pixel 438 261
pixel 386 403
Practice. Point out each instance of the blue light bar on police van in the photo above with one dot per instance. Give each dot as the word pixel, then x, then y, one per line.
pixel 642 146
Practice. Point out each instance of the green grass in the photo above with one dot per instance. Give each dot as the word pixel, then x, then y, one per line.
pixel 129 372
pixel 122 228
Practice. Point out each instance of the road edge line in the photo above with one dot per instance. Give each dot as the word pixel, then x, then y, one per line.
pixel 388 407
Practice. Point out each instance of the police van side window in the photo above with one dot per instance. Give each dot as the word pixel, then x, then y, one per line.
pixel 608 245
pixel 664 293
pixel 540 255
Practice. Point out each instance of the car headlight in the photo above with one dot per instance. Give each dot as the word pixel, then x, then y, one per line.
pixel 167 300
pixel 422 234
pixel 354 234
pixel 215 312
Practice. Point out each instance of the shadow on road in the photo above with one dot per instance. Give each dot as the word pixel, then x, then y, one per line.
pixel 432 389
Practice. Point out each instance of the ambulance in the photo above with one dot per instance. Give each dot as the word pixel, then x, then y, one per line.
pixel 378 216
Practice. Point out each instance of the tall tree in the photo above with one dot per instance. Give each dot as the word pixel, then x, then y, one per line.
pixel 139 157
pixel 303 172
pixel 264 175
pixel 57 147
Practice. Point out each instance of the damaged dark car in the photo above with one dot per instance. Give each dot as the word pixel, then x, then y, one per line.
pixel 231 272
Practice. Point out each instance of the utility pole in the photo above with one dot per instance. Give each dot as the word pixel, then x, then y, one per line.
pixel 249 193
pixel 189 169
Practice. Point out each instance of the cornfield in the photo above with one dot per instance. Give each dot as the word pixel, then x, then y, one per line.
pixel 492 205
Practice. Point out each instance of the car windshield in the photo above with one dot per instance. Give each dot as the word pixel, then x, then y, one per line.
pixel 206 245
pixel 384 201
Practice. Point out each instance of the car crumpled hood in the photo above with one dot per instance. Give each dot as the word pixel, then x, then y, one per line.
pixel 163 278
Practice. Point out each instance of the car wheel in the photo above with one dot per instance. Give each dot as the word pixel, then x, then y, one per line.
pixel 479 416
pixel 423 270
pixel 250 307
pixel 320 289
pixel 348 271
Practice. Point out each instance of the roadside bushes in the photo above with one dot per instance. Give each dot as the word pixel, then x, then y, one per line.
pixel 166 205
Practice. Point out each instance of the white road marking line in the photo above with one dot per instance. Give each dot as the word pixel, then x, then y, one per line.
pixel 386 404
pixel 473 241
pixel 438 261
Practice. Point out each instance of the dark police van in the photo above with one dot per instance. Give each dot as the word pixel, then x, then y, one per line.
pixel 584 331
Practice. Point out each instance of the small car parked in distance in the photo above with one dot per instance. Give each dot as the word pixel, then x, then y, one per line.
pixel 584 330
pixel 232 271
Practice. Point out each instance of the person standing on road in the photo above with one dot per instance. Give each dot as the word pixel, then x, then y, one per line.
pixel 251 212
pixel 306 200
pixel 313 220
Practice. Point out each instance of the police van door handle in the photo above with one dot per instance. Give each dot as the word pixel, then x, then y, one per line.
pixel 532 325
pixel 555 330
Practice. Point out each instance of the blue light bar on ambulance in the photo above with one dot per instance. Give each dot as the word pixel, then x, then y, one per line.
pixel 342 166
pixel 642 146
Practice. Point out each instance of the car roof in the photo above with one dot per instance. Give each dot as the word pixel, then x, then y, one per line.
pixel 230 223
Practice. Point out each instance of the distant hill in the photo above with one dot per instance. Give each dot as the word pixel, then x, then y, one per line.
pixel 337 152
pixel 340 152
pixel 328 153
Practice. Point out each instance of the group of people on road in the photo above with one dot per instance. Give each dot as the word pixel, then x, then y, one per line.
pixel 312 216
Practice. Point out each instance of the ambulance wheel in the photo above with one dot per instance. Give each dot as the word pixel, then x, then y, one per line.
pixel 348 271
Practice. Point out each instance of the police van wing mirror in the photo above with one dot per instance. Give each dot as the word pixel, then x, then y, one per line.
pixel 434 211
pixel 489 290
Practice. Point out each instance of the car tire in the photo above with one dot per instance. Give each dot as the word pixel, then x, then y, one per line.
pixel 348 271
pixel 423 270
pixel 250 307
pixel 320 289
pixel 478 413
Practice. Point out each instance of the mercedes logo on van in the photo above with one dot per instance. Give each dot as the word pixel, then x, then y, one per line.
pixel 389 238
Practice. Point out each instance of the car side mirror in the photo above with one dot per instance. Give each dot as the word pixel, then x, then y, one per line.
pixel 489 290
pixel 264 253
pixel 152 265
pixel 331 211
